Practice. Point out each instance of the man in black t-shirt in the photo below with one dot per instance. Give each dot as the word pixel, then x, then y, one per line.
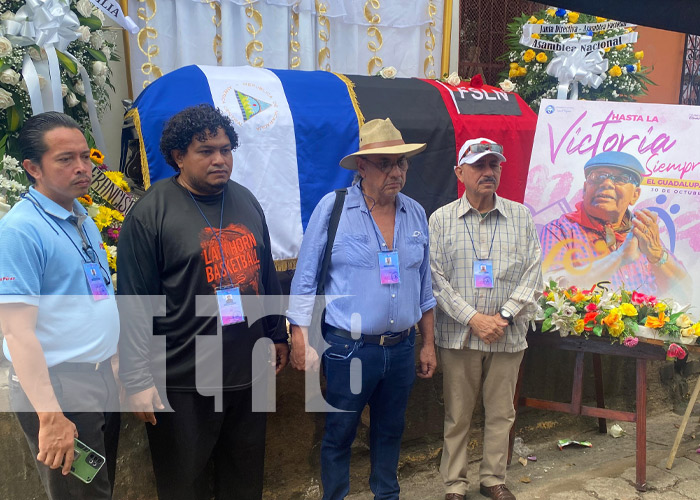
pixel 199 239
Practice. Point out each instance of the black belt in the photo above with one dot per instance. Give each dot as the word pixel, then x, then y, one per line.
pixel 80 367
pixel 387 339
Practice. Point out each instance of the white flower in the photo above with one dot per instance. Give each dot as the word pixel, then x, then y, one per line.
pixel 84 33
pixel 9 77
pixel 64 90
pixel 6 100
pixel 107 52
pixel 99 68
pixel 84 8
pixel 97 40
pixel 100 80
pixel 7 16
pixel 42 82
pixel 11 164
pixel 507 85
pixel 100 15
pixel 79 87
pixel 71 100
pixel 389 72
pixel 5 47
pixel 454 79
pixel 85 107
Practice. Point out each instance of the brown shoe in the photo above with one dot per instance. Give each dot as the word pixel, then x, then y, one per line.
pixel 498 492
pixel 454 496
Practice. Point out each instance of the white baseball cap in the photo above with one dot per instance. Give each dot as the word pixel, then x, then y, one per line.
pixel 481 147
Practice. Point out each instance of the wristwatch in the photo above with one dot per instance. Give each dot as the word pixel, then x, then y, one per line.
pixel 506 316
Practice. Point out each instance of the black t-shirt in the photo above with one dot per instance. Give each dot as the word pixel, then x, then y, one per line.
pixel 166 247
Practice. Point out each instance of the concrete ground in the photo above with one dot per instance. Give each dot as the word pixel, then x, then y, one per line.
pixel 604 472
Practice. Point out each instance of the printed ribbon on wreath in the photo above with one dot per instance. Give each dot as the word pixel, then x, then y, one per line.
pixel 577 66
pixel 52 26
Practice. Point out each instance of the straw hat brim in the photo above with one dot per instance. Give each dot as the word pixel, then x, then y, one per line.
pixel 405 149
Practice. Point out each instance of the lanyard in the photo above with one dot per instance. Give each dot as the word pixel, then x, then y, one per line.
pixel 472 239
pixel 87 244
pixel 217 236
pixel 374 224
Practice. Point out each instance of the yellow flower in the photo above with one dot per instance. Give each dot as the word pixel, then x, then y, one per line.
pixel 661 306
pixel 639 55
pixel 573 17
pixel 514 65
pixel 118 216
pixel 535 35
pixel 579 296
pixel 572 35
pixel 621 46
pixel 532 20
pixel 616 329
pixel 540 21
pixel 522 71
pixel 600 19
pixel 696 329
pixel 683 321
pixel 512 73
pixel 639 66
pixel 628 310
pixel 615 71
pixel 607 49
pixel 612 317
pixel 96 156
pixel 578 326
pixel 86 200
pixel 529 55
pixel 686 332
pixel 653 322
pixel 111 258
pixel 118 179
pixel 103 218
pixel 551 12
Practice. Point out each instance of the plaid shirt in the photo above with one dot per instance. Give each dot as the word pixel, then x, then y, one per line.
pixel 582 245
pixel 517 271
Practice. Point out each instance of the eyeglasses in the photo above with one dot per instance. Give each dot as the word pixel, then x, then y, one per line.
pixel 386 165
pixel 481 147
pixel 617 179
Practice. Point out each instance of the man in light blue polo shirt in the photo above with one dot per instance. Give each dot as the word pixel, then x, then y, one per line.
pixel 58 313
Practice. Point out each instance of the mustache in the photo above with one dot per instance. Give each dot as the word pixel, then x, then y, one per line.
pixel 487 180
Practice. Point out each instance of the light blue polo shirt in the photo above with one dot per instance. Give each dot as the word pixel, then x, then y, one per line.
pixel 40 266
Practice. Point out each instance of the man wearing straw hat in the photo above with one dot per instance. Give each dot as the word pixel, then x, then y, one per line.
pixel 380 266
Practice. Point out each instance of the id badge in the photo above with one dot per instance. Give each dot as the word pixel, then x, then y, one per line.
pixel 389 267
pixel 483 274
pixel 230 305
pixel 95 281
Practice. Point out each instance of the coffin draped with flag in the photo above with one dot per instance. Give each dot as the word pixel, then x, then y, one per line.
pixel 295 126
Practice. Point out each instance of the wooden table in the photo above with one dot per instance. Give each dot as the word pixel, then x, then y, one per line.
pixel 642 352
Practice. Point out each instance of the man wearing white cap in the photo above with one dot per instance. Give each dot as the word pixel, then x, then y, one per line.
pixel 485 262
pixel 380 266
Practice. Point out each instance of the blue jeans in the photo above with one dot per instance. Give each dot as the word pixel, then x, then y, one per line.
pixel 387 375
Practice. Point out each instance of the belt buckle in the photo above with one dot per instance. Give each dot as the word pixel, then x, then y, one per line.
pixel 381 339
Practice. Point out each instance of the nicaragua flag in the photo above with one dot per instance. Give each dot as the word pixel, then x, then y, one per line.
pixel 293 127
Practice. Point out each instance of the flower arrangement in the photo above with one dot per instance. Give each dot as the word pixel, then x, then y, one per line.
pixel 623 316
pixel 107 219
pixel 13 181
pixel 94 49
pixel 624 79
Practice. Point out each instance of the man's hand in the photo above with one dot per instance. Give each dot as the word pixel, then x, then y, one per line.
pixel 280 356
pixel 428 361
pixel 646 230
pixel 304 356
pixel 142 404
pixel 488 328
pixel 56 434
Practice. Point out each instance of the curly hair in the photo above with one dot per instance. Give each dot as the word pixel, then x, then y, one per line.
pixel 196 122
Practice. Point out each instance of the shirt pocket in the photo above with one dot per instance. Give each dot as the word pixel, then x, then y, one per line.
pixel 512 265
pixel 358 251
pixel 415 250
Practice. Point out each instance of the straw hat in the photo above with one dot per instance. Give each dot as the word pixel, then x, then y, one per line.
pixel 380 137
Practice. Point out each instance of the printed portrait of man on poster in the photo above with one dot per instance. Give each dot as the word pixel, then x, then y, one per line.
pixel 614 189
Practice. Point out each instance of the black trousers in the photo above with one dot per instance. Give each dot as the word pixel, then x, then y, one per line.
pixel 77 391
pixel 187 442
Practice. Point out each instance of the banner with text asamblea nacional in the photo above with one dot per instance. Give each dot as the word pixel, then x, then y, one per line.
pixel 604 227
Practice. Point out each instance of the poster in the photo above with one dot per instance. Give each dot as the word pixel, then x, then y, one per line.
pixel 601 228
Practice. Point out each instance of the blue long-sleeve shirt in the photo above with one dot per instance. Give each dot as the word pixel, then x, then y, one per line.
pixel 354 268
